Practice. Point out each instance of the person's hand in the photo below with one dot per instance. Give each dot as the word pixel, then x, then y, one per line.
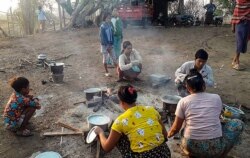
pixel 30 96
pixel 109 48
pixel 36 99
pixel 38 107
pixel 169 135
pixel 135 63
pixel 98 130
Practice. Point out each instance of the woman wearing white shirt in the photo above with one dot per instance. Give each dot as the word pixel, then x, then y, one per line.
pixel 130 63
pixel 204 135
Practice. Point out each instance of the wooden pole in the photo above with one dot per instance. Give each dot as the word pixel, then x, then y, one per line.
pixel 68 126
pixel 60 15
pixel 8 19
pixel 12 21
pixel 62 134
pixel 63 17
pixel 50 7
pixel 98 149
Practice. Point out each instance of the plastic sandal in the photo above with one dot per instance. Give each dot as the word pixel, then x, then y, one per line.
pixel 233 63
pixel 238 67
pixel 107 75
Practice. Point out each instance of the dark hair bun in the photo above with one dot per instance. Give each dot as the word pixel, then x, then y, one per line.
pixel 195 81
pixel 127 94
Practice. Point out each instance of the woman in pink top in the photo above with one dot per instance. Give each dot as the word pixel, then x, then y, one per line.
pixel 203 134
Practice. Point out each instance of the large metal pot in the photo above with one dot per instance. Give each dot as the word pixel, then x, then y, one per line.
pixel 170 103
pixel 91 92
pixel 56 68
pixel 98 120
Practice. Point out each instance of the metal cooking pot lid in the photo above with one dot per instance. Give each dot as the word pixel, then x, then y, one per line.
pixel 56 64
pixel 42 56
pixel 91 135
pixel 92 90
pixel 171 99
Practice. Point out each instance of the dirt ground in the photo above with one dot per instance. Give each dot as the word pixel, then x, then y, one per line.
pixel 162 50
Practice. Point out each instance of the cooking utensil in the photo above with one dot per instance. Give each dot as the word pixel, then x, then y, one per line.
pixel 91 92
pixel 56 68
pixel 98 120
pixel 49 154
pixel 171 99
pixel 91 135
pixel 42 57
pixel 170 103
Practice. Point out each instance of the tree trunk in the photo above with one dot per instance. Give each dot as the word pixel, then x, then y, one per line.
pixel 28 15
pixel 76 12
pixel 85 8
pixel 89 11
pixel 181 7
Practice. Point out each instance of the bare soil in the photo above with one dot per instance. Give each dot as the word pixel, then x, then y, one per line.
pixel 163 51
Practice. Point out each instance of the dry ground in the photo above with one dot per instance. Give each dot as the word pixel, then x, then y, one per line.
pixel 163 50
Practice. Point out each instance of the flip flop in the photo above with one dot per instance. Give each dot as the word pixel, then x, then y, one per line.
pixel 238 67
pixel 24 133
pixel 233 63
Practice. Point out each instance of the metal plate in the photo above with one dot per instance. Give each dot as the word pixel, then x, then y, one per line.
pixel 91 135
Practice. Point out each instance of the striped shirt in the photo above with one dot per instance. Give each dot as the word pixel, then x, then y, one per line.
pixel 241 12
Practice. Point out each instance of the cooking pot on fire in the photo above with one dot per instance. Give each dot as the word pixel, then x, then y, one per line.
pixel 42 57
pixel 56 68
pixel 170 103
pixel 91 92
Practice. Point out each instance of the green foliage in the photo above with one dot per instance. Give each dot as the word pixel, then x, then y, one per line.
pixel 225 4
pixel 68 7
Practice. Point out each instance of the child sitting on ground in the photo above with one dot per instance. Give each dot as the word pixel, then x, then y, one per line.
pixel 20 107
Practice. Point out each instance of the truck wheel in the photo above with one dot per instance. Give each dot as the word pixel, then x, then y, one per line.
pixel 124 23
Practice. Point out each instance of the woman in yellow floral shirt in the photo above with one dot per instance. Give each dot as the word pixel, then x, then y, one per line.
pixel 138 132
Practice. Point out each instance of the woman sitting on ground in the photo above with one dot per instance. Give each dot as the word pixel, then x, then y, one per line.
pixel 20 107
pixel 130 63
pixel 138 132
pixel 203 134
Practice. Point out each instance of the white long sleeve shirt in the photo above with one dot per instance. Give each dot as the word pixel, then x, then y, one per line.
pixel 206 73
pixel 125 63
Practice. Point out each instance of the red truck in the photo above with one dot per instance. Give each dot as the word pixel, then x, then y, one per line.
pixel 139 11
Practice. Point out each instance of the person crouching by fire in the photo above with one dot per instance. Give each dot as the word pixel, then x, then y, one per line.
pixel 20 107
pixel 130 63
